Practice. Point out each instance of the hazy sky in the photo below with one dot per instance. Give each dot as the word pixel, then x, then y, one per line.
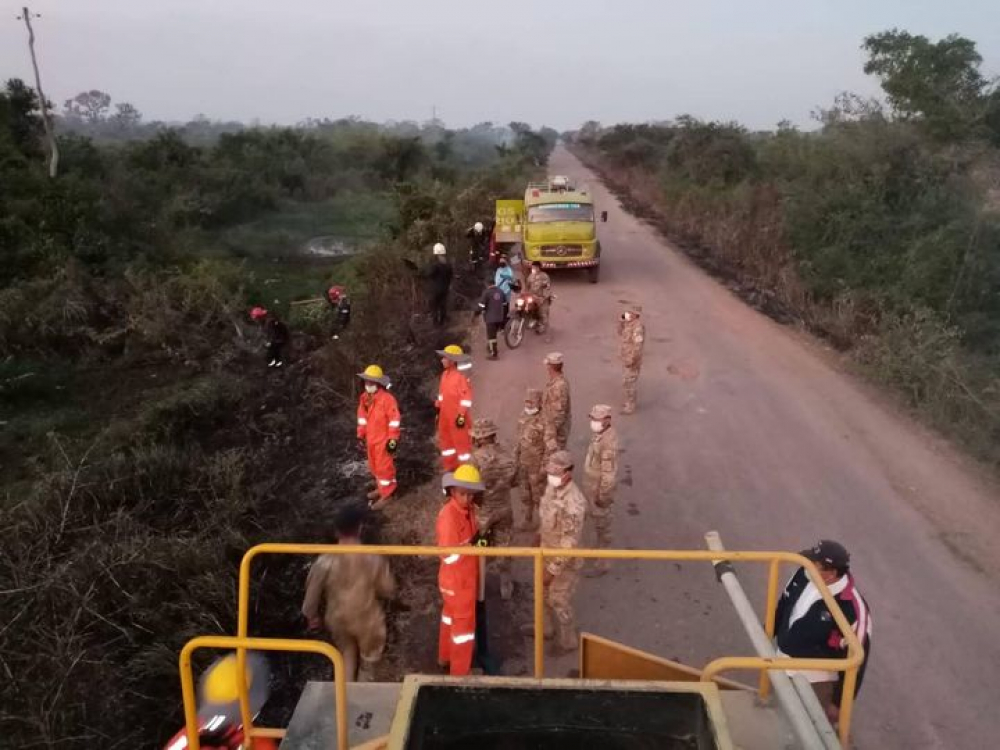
pixel 558 63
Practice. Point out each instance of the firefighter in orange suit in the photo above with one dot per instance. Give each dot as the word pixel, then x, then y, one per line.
pixel 458 577
pixel 454 405
pixel 378 429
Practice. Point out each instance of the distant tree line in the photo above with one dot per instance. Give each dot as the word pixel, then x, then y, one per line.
pixel 881 229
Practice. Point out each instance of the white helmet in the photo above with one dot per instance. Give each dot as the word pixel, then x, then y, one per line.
pixel 439 249
pixel 478 226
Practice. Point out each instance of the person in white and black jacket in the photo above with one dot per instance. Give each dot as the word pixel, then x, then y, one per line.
pixel 804 627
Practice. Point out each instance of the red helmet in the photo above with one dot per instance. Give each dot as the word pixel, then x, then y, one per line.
pixel 335 293
pixel 257 313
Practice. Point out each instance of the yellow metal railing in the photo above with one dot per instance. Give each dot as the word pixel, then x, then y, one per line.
pixel 258 644
pixel 849 665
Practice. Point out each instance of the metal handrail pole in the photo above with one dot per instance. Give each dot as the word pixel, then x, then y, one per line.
pixel 802 723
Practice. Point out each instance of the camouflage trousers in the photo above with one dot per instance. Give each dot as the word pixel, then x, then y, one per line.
pixel 532 481
pixel 630 381
pixel 559 606
pixel 600 508
pixel 543 316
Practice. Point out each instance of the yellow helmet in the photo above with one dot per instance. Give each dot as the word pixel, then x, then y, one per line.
pixel 220 681
pixel 218 693
pixel 465 476
pixel 374 374
pixel 454 353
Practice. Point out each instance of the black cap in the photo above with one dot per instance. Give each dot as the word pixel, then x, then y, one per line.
pixel 830 553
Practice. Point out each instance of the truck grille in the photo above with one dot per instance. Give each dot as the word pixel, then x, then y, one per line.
pixel 561 251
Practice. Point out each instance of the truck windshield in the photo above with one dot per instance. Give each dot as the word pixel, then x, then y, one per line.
pixel 549 212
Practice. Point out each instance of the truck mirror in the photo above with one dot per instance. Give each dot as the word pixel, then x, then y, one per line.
pixel 604 215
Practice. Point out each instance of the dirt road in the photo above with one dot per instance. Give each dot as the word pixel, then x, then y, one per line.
pixel 752 429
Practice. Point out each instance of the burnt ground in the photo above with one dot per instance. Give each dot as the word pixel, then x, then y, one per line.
pixel 320 478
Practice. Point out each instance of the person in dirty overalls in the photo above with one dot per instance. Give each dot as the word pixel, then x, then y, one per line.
pixel 600 479
pixel 343 594
pixel 529 457
pixel 495 516
pixel 632 332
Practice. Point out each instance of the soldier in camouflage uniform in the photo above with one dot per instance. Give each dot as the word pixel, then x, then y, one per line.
pixel 540 286
pixel 556 406
pixel 529 456
pixel 632 333
pixel 495 516
pixel 562 512
pixel 600 479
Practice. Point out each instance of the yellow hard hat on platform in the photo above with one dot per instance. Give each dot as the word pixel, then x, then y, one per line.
pixel 218 689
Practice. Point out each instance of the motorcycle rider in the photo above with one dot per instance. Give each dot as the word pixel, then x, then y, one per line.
pixel 504 278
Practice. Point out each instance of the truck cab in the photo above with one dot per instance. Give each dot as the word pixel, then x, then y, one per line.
pixel 556 226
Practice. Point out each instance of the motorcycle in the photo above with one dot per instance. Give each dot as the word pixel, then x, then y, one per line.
pixel 524 316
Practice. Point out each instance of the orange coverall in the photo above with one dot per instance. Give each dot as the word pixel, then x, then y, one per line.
pixel 458 579
pixel 454 399
pixel 378 423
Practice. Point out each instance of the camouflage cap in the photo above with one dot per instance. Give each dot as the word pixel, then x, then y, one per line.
pixel 600 411
pixel 533 396
pixel 483 428
pixel 559 463
pixel 553 358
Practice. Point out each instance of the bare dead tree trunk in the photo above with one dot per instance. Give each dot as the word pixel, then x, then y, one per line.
pixel 42 101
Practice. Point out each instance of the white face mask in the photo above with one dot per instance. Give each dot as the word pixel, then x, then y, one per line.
pixel 371 387
pixel 555 480
pixel 531 410
pixel 596 426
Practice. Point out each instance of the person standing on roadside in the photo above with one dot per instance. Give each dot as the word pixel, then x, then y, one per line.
pixel 378 431
pixel 504 278
pixel 805 628
pixel 632 333
pixel 479 247
pixel 439 274
pixel 493 308
pixel 563 511
pixel 601 479
pixel 458 575
pixel 529 456
pixel 343 593
pixel 556 405
pixel 454 405
pixel 540 287
pixel 495 516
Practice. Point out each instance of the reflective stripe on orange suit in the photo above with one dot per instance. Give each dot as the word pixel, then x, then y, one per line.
pixel 378 423
pixel 454 398
pixel 458 579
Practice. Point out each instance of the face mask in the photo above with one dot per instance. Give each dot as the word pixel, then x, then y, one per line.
pixel 554 480
pixel 531 410
pixel 596 426
pixel 371 387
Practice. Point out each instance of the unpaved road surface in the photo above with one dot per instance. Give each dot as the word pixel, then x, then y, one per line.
pixel 753 429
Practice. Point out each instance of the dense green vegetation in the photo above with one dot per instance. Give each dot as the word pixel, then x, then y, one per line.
pixel 881 229
pixel 144 445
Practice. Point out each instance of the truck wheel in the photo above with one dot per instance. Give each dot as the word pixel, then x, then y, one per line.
pixel 593 274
